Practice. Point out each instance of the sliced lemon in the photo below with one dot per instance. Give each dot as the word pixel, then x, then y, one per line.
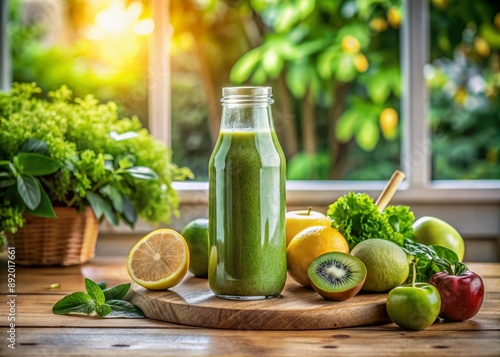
pixel 159 260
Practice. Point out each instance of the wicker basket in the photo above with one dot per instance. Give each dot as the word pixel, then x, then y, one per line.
pixel 68 239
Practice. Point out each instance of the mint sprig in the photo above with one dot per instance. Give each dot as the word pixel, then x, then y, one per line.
pixel 105 302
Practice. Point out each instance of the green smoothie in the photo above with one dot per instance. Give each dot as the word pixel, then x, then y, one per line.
pixel 247 215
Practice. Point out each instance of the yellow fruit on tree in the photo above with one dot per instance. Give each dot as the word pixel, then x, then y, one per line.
pixel 388 122
pixel 496 21
pixel 360 62
pixel 378 24
pixel 481 47
pixel 310 244
pixel 460 96
pixel 394 17
pixel 350 44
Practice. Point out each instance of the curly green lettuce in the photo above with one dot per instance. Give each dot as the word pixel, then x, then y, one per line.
pixel 357 218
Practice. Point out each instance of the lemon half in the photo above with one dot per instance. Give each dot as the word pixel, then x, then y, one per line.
pixel 159 260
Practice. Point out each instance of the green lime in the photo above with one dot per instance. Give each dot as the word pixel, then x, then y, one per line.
pixel 196 235
pixel 386 264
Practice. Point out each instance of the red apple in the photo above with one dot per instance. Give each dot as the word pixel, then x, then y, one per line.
pixel 461 290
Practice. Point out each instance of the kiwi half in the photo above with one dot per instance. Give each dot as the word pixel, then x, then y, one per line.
pixel 336 275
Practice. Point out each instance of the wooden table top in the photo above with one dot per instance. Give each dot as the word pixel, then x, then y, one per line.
pixel 38 332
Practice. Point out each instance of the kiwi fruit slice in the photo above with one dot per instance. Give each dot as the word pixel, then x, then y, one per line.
pixel 337 276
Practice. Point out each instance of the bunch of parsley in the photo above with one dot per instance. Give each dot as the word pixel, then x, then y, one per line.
pixel 357 218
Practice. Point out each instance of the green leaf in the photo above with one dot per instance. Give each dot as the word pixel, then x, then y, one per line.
pixel 445 253
pixel 35 146
pixel 115 196
pixel 7 182
pixel 272 63
pixel 100 207
pixel 346 70
pixel 244 67
pixel 125 161
pixel 102 285
pixel 36 164
pixel 96 202
pixel 121 308
pixel 378 87
pixel 76 302
pixel 116 292
pixel 44 209
pixel 287 17
pixel 308 48
pixel 367 136
pixel 491 35
pixel 346 125
pixel 29 191
pixel 297 79
pixel 95 292
pixel 325 62
pixel 426 257
pixel 142 172
pixel 103 310
pixel 129 213
pixel 259 77
pixel 306 7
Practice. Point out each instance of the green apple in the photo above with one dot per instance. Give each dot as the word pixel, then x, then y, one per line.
pixel 434 231
pixel 297 221
pixel 413 306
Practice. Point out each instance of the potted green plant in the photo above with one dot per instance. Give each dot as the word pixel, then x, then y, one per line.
pixel 62 157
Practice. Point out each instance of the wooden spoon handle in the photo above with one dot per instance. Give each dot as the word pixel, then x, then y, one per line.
pixel 389 190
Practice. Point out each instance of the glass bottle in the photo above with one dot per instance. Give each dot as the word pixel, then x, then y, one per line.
pixel 247 257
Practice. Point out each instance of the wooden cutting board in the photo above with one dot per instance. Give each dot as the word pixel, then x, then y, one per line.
pixel 192 303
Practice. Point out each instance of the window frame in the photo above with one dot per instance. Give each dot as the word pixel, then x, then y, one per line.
pixel 416 142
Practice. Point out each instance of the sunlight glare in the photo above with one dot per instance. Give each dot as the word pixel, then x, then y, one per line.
pixel 144 27
pixel 117 18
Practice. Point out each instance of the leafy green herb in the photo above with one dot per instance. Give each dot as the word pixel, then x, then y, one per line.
pixel 20 177
pixel 105 302
pixel 357 218
pixel 427 258
pixel 78 153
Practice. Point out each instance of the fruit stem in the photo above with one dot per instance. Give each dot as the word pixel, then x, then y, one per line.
pixel 309 211
pixel 414 277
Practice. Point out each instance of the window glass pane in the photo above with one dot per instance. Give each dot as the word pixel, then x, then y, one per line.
pixel 464 81
pixel 94 47
pixel 334 67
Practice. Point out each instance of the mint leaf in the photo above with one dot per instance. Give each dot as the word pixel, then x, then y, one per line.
pixel 95 292
pixel 116 292
pixel 105 302
pixel 121 308
pixel 76 302
pixel 103 310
